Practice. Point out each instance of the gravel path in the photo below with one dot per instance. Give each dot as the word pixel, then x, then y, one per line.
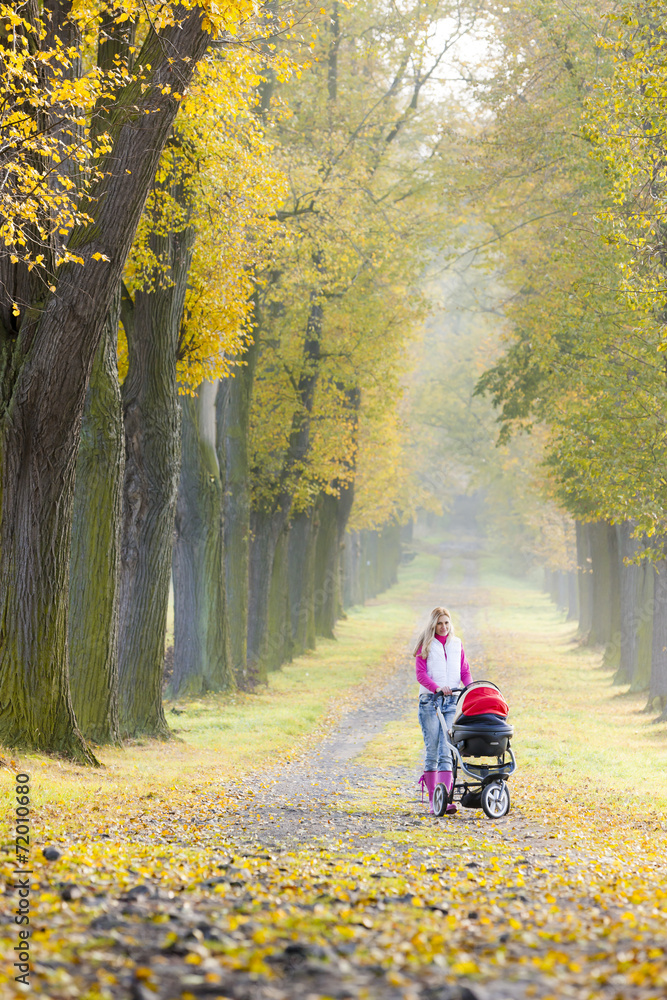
pixel 309 798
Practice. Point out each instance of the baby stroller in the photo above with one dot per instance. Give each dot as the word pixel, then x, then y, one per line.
pixel 480 730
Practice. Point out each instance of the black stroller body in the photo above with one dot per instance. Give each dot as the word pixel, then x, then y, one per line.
pixel 482 757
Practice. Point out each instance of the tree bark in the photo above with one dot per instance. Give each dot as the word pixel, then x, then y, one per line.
pixel 265 530
pixel 641 676
pixel 657 698
pixel 151 413
pixel 201 634
pixel 367 562
pixel 372 565
pixel 630 601
pixel 572 596
pixel 346 501
pixel 391 555
pixel 303 536
pixel 554 588
pixel 606 590
pixel 277 645
pixel 45 365
pixel 363 564
pixel 351 569
pixel 584 578
pixel 95 555
pixel 334 515
pixel 233 403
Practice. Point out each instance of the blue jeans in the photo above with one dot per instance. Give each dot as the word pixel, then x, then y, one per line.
pixel 438 755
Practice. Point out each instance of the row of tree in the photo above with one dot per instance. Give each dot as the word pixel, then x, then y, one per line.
pixel 568 184
pixel 618 594
pixel 215 225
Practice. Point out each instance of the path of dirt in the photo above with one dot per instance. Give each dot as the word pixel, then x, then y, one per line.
pixel 304 798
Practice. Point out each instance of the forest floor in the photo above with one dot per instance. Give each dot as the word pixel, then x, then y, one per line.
pixel 320 875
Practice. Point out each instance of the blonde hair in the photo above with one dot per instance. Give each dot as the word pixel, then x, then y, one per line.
pixel 427 634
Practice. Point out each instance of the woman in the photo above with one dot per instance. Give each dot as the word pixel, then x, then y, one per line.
pixel 441 667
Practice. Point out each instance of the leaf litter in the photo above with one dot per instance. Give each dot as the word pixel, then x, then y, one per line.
pixel 327 880
pixel 258 893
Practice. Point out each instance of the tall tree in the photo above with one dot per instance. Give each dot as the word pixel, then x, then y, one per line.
pixel 575 236
pixel 151 412
pixel 95 557
pixel 51 320
pixel 233 402
pixel 356 150
pixel 206 227
pixel 94 562
pixel 201 630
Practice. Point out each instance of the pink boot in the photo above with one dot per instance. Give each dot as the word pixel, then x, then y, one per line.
pixel 427 781
pixel 445 777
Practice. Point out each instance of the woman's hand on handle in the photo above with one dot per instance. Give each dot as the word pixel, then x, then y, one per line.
pixel 445 690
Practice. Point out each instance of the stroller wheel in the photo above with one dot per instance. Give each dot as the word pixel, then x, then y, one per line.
pixel 496 799
pixel 439 800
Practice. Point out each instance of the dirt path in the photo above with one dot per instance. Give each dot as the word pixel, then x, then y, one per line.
pixel 309 799
pixel 327 880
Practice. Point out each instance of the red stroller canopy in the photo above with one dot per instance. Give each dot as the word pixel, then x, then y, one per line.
pixel 482 698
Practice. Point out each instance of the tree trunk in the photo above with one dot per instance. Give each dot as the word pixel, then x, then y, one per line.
pixel 334 515
pixel 233 402
pixel 631 609
pixel 152 465
pixel 572 596
pixel 390 543
pixel 373 563
pixel 357 568
pixel 367 562
pixel 201 640
pixel 300 577
pixel 45 366
pixel 584 578
pixel 277 646
pixel 351 569
pixel 606 591
pixel 95 556
pixel 303 540
pixel 267 523
pixel 641 676
pixel 265 530
pixel 657 697
pixel 370 561
pixel 361 568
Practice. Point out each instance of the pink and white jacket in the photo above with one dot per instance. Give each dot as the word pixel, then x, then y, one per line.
pixel 445 665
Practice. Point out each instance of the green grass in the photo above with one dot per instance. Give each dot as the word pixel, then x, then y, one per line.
pixel 219 736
